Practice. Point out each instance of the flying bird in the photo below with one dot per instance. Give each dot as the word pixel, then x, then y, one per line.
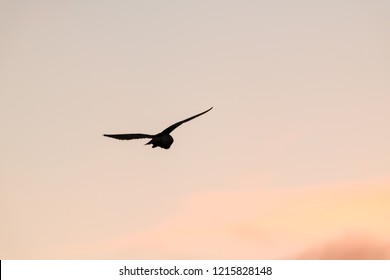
pixel 162 139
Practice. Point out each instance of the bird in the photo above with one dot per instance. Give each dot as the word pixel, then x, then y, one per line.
pixel 163 139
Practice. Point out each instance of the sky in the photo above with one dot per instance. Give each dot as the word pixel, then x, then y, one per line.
pixel 293 162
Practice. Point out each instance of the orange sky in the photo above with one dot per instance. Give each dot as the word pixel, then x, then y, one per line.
pixel 334 221
pixel 293 159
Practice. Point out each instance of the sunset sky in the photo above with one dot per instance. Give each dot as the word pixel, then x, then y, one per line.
pixel 293 161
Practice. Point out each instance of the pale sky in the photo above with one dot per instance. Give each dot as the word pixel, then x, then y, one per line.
pixel 294 156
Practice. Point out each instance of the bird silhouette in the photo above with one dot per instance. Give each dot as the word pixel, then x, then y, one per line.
pixel 162 139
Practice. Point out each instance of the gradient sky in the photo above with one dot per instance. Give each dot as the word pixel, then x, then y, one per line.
pixel 293 160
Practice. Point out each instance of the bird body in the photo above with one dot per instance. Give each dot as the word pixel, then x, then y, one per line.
pixel 163 139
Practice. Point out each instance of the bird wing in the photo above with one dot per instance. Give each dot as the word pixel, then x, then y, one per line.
pixel 174 126
pixel 129 136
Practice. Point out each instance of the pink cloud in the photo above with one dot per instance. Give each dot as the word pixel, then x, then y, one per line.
pixel 350 246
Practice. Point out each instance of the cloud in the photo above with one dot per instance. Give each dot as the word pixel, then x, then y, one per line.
pixel 264 223
pixel 350 246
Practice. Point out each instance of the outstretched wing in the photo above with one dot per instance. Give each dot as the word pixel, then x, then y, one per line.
pixel 174 126
pixel 129 136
